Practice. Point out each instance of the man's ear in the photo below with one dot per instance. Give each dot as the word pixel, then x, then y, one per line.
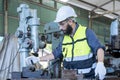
pixel 70 21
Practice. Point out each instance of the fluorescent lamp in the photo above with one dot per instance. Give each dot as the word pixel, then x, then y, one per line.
pixel 64 0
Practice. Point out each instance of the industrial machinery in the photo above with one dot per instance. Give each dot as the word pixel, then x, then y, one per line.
pixel 27 32
pixel 112 56
pixel 29 39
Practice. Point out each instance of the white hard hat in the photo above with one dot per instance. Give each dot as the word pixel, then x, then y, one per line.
pixel 64 13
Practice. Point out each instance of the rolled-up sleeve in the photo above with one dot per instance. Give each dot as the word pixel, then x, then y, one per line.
pixel 58 51
pixel 93 41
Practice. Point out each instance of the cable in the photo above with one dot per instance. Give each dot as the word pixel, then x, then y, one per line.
pixel 11 62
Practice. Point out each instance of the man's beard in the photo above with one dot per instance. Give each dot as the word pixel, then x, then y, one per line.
pixel 69 30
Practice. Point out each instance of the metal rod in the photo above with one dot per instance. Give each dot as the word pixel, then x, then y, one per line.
pixel 90 20
pixel 5 17
pixel 55 4
pixel 113 5
pixel 40 1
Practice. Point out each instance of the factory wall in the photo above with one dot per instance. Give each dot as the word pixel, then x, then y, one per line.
pixel 46 13
pixel 1 18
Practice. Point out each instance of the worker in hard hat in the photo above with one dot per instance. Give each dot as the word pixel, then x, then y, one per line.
pixel 79 47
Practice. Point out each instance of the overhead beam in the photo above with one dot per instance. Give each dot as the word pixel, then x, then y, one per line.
pixel 102 5
pixel 118 0
pixel 96 6
pixel 41 5
pixel 107 12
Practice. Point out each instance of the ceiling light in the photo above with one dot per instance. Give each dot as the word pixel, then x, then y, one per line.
pixel 64 0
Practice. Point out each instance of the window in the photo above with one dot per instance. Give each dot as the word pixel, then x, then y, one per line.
pixel 1 38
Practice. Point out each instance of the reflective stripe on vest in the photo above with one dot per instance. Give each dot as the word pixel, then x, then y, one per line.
pixel 77 58
pixel 80 64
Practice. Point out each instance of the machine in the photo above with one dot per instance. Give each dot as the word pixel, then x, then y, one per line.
pixel 29 39
pixel 112 56
pixel 27 32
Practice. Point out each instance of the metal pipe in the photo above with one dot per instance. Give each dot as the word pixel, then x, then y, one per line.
pixel 34 23
pixel 5 17
pixel 90 20
pixel 113 5
pixel 55 4
pixel 40 1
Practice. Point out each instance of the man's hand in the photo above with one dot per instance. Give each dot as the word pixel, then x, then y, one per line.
pixel 32 60
pixel 100 70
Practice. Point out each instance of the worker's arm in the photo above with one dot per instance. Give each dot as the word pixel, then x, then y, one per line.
pixel 47 57
pixel 100 55
pixel 100 69
pixel 37 59
pixel 97 49
pixel 57 53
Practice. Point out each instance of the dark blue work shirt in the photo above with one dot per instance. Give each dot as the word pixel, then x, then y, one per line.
pixel 92 40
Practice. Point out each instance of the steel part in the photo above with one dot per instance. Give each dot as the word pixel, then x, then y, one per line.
pixel 53 34
pixel 34 23
pixel 27 32
pixel 112 56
